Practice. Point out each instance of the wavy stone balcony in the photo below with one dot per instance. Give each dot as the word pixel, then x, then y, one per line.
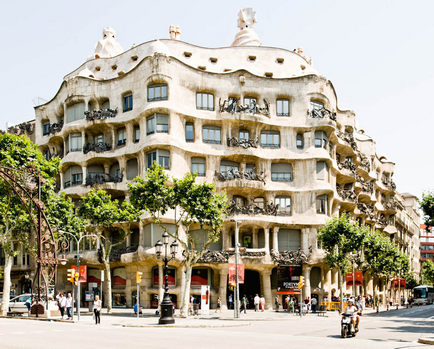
pixel 252 210
pixel 96 147
pixel 348 138
pixel 233 174
pixel 367 210
pixel 347 195
pixel 101 178
pixel 346 165
pixel 232 106
pixel 243 143
pixel 322 113
pixel 101 114
pixel 366 187
pixel 389 184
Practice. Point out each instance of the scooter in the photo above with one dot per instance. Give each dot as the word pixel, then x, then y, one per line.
pixel 347 326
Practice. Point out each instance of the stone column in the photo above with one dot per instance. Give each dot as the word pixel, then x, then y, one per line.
pixel 305 239
pixel 327 287
pixel 223 237
pixel 106 168
pixel 275 239
pixel 141 237
pixel 128 239
pixel 267 242
pixel 114 140
pixel 255 237
pixel 266 288
pixel 123 168
pixel 84 170
pixel 61 181
pixel 306 274
pixel 223 287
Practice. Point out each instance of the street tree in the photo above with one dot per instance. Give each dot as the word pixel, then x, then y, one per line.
pixel 427 206
pixel 428 272
pixel 189 203
pixel 102 215
pixel 18 152
pixel 381 257
pixel 340 238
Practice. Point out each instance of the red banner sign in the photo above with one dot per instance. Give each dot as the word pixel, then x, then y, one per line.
pixel 233 274
pixel 358 278
pixel 82 273
pixel 396 283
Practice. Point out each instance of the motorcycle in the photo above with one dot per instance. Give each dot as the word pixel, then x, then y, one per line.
pixel 347 326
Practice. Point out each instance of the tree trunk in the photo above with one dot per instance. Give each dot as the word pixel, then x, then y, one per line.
pixel 186 293
pixel 6 283
pixel 341 292
pixel 108 285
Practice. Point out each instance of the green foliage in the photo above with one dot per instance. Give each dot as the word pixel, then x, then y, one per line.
pixel 427 206
pixel 61 216
pixel 428 272
pixel 339 237
pixel 192 203
pixel 410 281
pixel 380 254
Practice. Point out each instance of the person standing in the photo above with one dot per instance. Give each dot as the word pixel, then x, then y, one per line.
pixel 68 304
pixel 97 310
pixel 256 302
pixel 28 305
pixel 291 305
pixel 62 304
pixel 231 302
pixel 262 300
pixel 276 302
pixel 314 302
pixel 244 304
pixel 219 305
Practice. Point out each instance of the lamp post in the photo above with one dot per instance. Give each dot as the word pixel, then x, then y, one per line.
pixel 237 283
pixel 63 262
pixel 166 306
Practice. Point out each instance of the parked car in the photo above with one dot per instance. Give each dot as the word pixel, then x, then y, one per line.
pixel 18 304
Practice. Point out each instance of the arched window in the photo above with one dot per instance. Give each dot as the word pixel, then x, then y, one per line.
pixel 198 165
pixel 283 204
pixel 75 112
pixel 226 166
pixel 270 139
pixel 281 172
pixel 321 139
pixel 282 107
pixel 321 171
pixel 299 141
pixel 321 204
pixel 289 239
pixel 157 92
pixel 204 101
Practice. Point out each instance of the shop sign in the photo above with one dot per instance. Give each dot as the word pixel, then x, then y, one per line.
pixel 82 273
pixel 233 274
pixel 399 283
pixel 358 278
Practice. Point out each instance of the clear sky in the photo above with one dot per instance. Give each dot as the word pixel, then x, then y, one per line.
pixel 377 53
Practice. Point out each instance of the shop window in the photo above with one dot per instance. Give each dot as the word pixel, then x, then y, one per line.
pixel 73 142
pixel 198 166
pixel 160 155
pixel 189 132
pixel 212 134
pixel 204 101
pixel 283 204
pixel 321 204
pixel 321 139
pixel 200 237
pixel 122 136
pixel 157 123
pixel 128 102
pixel 201 277
pixel 75 112
pixel 251 102
pixel 171 277
pixel 321 171
pixel 281 172
pixel 98 139
pixel 282 107
pixel 157 92
pixel 270 139
pixel 299 141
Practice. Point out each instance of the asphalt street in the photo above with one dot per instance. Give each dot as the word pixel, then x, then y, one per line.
pixel 395 329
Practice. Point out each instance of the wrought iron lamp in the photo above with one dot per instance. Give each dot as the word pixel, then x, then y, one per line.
pixel 166 314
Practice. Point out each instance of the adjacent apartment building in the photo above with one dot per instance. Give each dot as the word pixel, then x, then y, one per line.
pixel 259 121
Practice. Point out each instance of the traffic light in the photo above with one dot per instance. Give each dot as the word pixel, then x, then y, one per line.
pixel 301 283
pixel 70 275
pixel 138 277
pixel 76 275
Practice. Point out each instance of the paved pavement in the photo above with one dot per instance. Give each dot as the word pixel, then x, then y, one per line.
pixel 395 329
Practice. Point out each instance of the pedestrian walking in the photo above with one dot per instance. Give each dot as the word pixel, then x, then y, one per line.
pixel 256 302
pixel 314 302
pixel 262 300
pixel 68 304
pixel 219 305
pixel 97 310
pixel 291 306
pixel 62 304
pixel 244 304
pixel 276 303
pixel 230 301
pixel 307 303
pixel 28 305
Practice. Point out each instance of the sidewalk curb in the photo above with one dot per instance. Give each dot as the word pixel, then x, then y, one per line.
pixel 426 341
pixel 36 319
pixel 189 326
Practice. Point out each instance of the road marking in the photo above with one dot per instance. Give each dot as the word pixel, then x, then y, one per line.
pixel 57 330
pixel 38 331
pixel 17 332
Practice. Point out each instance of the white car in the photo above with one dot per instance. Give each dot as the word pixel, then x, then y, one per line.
pixel 18 304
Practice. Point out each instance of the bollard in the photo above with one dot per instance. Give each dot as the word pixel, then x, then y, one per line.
pixel 377 308
pixel 396 306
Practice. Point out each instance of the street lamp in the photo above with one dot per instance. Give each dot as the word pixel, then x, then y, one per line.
pixel 166 315
pixel 63 262
pixel 237 283
pixel 353 257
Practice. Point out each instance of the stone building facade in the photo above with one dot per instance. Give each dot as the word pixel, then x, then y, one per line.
pixel 261 122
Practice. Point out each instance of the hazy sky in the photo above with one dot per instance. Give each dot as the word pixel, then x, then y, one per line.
pixel 378 55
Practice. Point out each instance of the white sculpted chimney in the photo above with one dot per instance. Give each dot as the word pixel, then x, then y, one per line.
pixel 175 32
pixel 246 36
